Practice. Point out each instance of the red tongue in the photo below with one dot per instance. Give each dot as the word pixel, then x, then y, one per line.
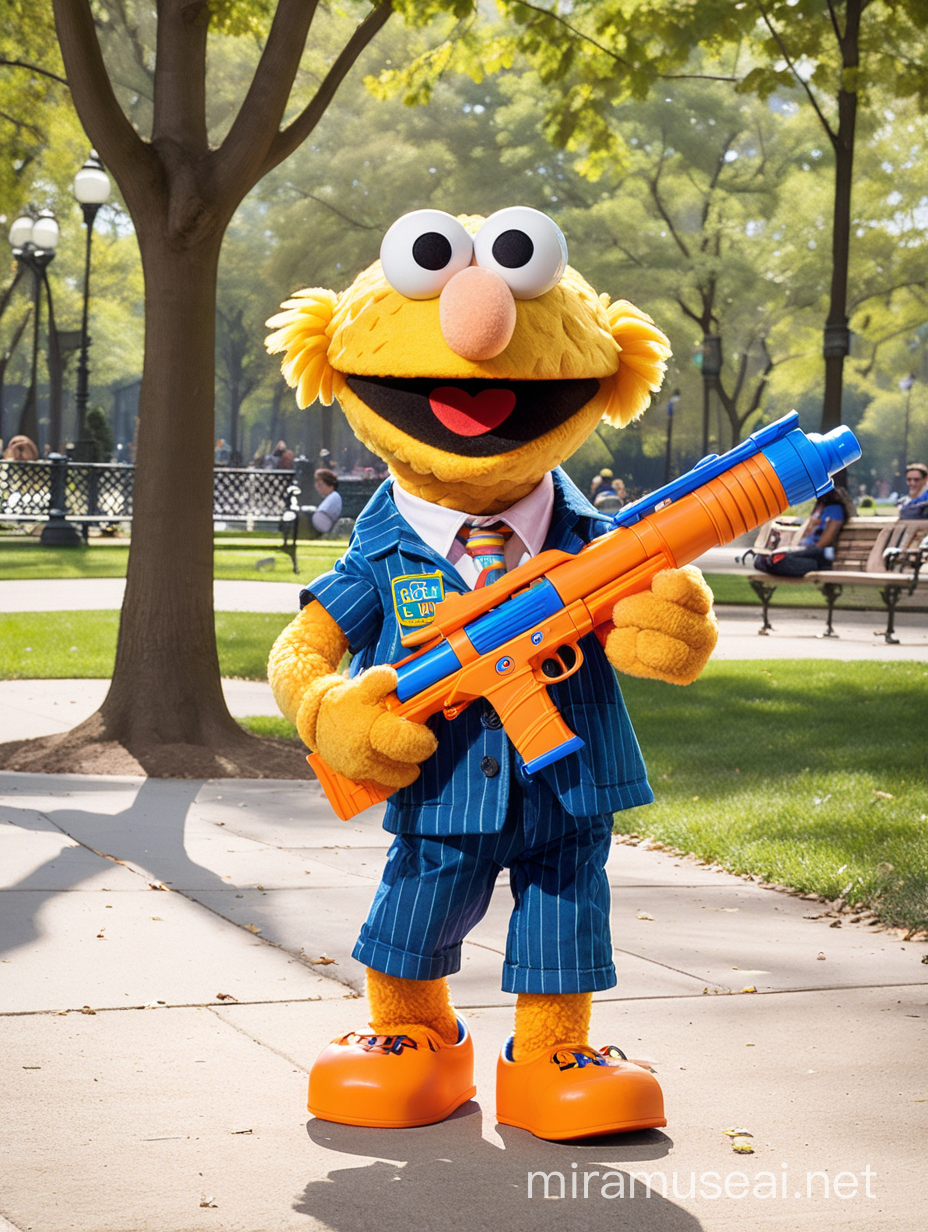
pixel 467 416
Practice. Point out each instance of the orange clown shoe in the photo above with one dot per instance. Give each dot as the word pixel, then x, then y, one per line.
pixel 573 1091
pixel 411 1077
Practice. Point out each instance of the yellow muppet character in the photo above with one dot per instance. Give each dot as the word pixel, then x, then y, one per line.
pixel 473 359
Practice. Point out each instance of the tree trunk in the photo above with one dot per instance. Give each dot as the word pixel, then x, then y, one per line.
pixel 837 335
pixel 166 684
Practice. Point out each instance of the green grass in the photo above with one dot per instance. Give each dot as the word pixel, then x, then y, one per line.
pixel 63 645
pixel 811 774
pixel 808 773
pixel 268 725
pixel 234 560
pixel 735 588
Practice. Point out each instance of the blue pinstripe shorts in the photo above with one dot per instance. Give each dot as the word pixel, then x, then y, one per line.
pixel 434 891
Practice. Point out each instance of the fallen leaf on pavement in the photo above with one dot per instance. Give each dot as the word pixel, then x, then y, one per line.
pixel 85 1009
pixel 158 918
pixel 253 928
pixel 323 960
pixel 750 988
pixel 242 1131
pixel 225 996
pixel 643 915
pixel 207 1202
pixel 821 955
pixel 740 1140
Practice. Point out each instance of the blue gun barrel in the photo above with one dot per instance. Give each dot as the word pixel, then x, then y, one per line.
pixel 804 465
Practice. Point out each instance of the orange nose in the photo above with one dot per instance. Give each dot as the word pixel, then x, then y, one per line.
pixel 477 313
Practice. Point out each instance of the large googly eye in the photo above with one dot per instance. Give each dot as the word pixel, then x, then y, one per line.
pixel 422 251
pixel 525 247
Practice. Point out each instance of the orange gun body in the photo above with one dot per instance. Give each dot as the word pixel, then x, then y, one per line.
pixel 514 676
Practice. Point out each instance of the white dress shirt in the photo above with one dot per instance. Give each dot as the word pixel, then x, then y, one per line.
pixel 437 526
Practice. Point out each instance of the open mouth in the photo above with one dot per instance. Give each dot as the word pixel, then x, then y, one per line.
pixel 474 418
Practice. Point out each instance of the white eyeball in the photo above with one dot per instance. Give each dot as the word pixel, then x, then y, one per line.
pixel 422 251
pixel 525 247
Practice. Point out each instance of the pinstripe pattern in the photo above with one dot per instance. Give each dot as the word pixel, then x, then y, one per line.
pixel 451 795
pixel 434 891
pixel 472 811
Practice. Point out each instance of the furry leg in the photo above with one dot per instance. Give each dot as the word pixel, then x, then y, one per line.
pixel 546 1019
pixel 396 1002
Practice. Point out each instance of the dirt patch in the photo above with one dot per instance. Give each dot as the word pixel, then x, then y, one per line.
pixel 253 757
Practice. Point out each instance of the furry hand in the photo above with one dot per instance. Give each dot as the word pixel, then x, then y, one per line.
pixel 667 633
pixel 358 736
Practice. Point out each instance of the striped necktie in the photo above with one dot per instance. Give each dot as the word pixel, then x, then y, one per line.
pixel 486 545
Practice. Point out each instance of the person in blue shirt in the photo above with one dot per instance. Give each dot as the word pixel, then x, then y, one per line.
pixel 915 505
pixel 817 547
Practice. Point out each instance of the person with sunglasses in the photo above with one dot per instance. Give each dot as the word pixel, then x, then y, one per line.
pixel 915 505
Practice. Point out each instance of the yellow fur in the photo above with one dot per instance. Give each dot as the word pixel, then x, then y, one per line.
pixel 396 1003
pixel 667 633
pixel 310 648
pixel 372 330
pixel 546 1019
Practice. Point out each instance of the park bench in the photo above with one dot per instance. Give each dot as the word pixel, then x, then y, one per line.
pixel 885 554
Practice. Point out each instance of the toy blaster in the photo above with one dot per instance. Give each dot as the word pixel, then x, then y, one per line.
pixel 508 641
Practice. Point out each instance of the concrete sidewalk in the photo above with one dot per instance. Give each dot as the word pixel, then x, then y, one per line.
pixel 278 595
pixel 156 1040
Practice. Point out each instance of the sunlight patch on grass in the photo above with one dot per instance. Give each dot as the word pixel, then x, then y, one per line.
pixel 807 773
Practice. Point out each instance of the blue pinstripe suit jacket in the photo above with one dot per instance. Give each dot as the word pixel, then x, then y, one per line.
pixel 386 562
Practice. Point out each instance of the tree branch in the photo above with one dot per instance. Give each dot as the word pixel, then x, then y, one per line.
pixel 586 38
pixel 834 22
pixel 104 121
pixel 8 293
pixel 886 291
pixel 33 68
pixel 352 222
pixel 832 136
pixel 243 155
pixel 180 76
pixel 299 129
pixel 17 123
pixel 653 185
pixel 688 312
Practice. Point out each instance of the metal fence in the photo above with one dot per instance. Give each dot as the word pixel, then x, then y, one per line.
pixel 102 492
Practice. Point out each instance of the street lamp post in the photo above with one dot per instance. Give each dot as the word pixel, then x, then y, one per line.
pixel 672 405
pixel 34 241
pixel 91 188
pixel 711 371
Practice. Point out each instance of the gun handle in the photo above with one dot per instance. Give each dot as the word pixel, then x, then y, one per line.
pixel 532 721
pixel 346 797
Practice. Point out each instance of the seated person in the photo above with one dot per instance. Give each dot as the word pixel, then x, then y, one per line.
pixel 915 505
pixel 609 491
pixel 325 515
pixel 816 548
pixel 21 449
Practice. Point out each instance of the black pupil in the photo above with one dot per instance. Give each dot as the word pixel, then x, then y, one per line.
pixel 513 249
pixel 432 251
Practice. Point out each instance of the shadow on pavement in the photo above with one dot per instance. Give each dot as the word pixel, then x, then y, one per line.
pixel 420 1180
pixel 149 835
